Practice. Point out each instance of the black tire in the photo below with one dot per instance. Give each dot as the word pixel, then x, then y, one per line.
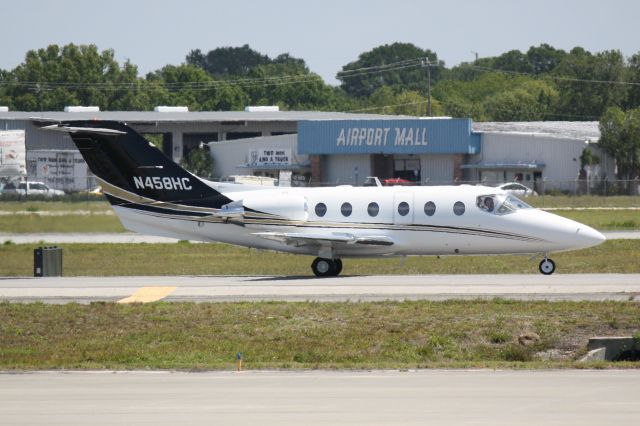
pixel 323 267
pixel 547 266
pixel 338 263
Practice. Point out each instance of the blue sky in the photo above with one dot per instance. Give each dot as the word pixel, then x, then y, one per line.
pixel 327 34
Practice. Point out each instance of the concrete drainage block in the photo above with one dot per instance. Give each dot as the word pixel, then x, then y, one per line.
pixel 611 348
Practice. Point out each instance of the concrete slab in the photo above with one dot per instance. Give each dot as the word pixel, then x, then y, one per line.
pixel 436 397
pixel 344 288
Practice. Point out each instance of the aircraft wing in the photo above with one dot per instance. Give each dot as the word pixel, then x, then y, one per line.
pixel 299 238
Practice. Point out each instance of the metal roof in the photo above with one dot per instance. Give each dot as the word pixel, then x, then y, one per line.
pixel 196 116
pixel 500 165
pixel 558 129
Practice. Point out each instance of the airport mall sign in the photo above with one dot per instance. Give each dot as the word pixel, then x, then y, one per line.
pixel 411 136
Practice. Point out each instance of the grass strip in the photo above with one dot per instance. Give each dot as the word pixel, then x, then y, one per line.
pixel 584 201
pixel 34 223
pixel 416 334
pixel 615 256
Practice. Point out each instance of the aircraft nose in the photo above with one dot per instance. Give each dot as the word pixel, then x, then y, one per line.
pixel 586 236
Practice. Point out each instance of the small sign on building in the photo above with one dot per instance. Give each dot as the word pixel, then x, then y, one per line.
pixel 269 157
pixel 12 153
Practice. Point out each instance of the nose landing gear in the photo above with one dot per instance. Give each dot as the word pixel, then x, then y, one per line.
pixel 547 266
pixel 322 267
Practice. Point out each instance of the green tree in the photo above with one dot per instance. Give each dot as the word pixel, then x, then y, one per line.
pixel 412 77
pixel 290 85
pixel 190 86
pixel 586 83
pixel 620 138
pixel 490 97
pixel 530 101
pixel 633 76
pixel 513 60
pixel 226 61
pixel 199 162
pixel 544 58
pixel 52 78
pixel 386 101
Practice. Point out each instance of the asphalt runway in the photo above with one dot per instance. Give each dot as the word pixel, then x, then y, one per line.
pixel 133 238
pixel 343 288
pixel 438 397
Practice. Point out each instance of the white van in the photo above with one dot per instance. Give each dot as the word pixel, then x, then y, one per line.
pixel 31 188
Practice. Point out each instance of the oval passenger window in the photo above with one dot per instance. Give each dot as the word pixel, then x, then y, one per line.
pixel 458 208
pixel 373 209
pixel 346 209
pixel 403 208
pixel 321 209
pixel 430 208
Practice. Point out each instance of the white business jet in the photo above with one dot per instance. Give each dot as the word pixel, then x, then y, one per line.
pixel 153 195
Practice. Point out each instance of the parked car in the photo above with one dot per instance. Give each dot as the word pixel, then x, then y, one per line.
pixel 31 188
pixel 371 181
pixel 397 181
pixel 517 189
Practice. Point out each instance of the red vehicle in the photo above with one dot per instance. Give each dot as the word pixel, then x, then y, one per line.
pixel 397 181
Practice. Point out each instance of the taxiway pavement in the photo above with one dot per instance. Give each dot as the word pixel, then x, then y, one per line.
pixel 439 397
pixel 343 288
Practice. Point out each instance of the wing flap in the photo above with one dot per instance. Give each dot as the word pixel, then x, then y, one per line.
pixel 299 238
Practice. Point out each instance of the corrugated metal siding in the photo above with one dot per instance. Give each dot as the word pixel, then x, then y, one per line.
pixel 230 157
pixel 438 169
pixel 39 139
pixel 414 136
pixel 561 156
pixel 341 169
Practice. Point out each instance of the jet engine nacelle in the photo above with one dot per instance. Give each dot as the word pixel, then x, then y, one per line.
pixel 290 207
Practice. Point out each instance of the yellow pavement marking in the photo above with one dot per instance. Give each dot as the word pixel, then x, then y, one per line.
pixel 148 294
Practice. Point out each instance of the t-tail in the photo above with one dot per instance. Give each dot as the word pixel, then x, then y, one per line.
pixel 132 170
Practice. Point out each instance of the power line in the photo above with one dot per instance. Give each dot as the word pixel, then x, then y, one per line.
pixel 204 85
pixel 551 76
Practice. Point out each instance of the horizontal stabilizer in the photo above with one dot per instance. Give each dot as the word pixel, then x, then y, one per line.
pixel 94 130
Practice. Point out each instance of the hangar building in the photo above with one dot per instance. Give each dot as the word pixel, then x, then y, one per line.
pixel 340 148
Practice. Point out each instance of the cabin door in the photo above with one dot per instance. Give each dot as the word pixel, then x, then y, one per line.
pixel 403 207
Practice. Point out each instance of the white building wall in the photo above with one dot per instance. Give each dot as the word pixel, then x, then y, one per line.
pixel 436 169
pixel 231 157
pixel 266 128
pixel 561 156
pixel 341 169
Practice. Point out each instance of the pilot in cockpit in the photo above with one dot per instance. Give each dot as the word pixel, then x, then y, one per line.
pixel 488 204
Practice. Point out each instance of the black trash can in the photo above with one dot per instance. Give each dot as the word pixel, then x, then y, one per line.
pixel 47 262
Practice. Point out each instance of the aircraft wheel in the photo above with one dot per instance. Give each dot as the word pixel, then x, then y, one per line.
pixel 323 267
pixel 338 263
pixel 547 266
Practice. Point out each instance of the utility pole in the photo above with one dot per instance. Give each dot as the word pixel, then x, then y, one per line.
pixel 427 64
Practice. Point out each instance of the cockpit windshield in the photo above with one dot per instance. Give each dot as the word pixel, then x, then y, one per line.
pixel 500 204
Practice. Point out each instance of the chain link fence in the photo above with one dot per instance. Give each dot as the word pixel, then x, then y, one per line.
pixel 85 188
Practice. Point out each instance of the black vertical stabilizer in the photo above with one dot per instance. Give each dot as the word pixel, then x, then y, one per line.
pixel 123 158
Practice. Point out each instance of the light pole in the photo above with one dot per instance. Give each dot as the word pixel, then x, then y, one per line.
pixel 427 65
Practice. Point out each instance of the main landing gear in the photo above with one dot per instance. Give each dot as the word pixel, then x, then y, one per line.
pixel 547 266
pixel 326 267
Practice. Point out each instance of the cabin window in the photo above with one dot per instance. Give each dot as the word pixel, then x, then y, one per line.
pixel 458 208
pixel 373 209
pixel 429 208
pixel 403 208
pixel 321 209
pixel 346 209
